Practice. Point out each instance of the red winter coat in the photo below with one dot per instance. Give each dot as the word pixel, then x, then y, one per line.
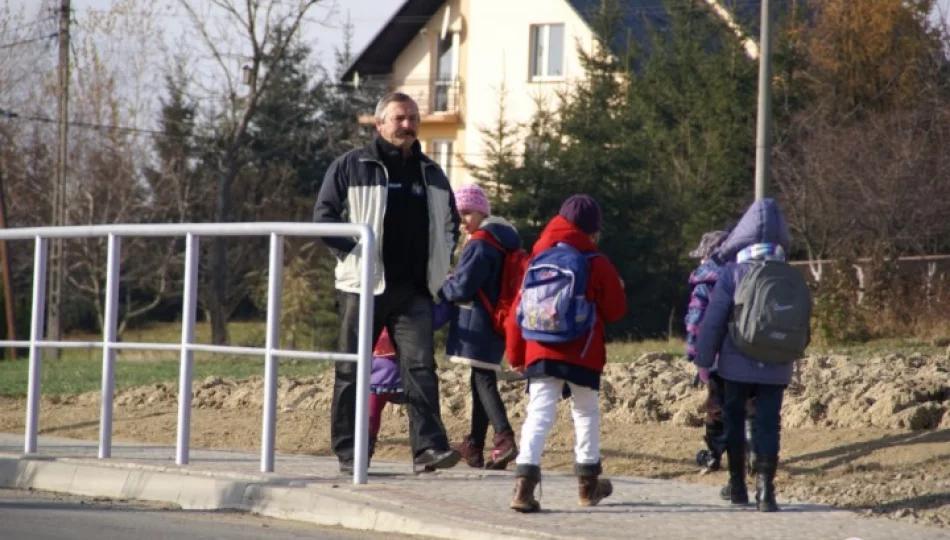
pixel 605 289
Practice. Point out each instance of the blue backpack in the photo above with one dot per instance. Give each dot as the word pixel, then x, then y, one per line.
pixel 554 306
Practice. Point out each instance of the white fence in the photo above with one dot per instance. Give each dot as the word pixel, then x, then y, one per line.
pixel 271 350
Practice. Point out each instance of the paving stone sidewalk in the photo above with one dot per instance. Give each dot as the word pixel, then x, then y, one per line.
pixel 461 503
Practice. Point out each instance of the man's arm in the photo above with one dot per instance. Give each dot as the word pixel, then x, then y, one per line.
pixel 330 205
pixel 470 275
pixel 453 221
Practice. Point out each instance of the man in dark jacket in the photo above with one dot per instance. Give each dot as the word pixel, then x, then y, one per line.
pixel 407 200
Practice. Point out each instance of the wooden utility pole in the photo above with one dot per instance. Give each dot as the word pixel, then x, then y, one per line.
pixel 7 277
pixel 57 263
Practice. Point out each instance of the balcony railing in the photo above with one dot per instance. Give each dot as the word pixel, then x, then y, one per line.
pixel 436 98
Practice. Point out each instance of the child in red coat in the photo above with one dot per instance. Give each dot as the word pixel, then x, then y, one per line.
pixel 574 366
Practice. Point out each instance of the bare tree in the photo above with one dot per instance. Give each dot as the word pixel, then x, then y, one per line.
pixel 877 185
pixel 114 60
pixel 25 40
pixel 248 29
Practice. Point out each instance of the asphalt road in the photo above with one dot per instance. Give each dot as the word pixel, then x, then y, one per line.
pixel 28 515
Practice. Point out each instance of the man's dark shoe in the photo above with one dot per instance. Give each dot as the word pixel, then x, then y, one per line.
pixel 433 459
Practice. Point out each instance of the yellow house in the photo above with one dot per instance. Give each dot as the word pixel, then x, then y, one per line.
pixel 458 57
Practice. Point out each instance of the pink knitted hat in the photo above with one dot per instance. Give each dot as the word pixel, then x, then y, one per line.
pixel 471 198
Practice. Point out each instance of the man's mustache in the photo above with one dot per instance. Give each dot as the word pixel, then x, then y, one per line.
pixel 405 132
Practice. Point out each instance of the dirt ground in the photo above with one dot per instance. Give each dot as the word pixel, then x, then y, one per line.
pixel 870 435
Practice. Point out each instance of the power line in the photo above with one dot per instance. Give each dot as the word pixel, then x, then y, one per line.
pixel 12 44
pixel 31 23
pixel 4 113
pixel 76 123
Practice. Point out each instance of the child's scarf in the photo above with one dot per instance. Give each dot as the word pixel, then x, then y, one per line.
pixel 761 252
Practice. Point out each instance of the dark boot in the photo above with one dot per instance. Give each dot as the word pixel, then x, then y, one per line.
pixel 711 458
pixel 735 489
pixel 372 450
pixel 527 477
pixel 503 452
pixel 765 483
pixel 591 489
pixel 471 454
pixel 750 451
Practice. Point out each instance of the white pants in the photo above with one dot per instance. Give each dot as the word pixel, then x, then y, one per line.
pixel 543 395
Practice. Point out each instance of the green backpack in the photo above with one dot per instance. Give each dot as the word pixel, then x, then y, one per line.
pixel 772 312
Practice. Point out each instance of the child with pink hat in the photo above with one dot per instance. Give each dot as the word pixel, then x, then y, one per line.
pixel 474 289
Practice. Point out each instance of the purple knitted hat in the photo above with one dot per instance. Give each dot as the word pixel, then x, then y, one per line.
pixel 583 211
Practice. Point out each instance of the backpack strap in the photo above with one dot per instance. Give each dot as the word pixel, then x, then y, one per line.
pixel 489 239
pixel 587 254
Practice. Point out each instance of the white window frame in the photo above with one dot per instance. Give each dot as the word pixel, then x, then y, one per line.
pixel 543 63
pixel 441 151
pixel 450 82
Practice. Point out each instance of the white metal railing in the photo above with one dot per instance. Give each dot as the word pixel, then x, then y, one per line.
pixel 271 350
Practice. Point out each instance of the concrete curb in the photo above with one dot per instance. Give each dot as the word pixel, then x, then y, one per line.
pixel 325 504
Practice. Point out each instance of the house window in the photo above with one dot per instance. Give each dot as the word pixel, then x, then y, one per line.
pixel 547 51
pixel 446 71
pixel 441 153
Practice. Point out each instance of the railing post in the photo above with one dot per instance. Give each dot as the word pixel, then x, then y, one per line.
pixel 275 268
pixel 189 305
pixel 109 336
pixel 40 253
pixel 364 350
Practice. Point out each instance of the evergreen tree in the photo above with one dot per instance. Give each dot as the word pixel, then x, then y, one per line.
pixel 501 152
pixel 660 133
pixel 697 96
pixel 173 180
pixel 286 130
pixel 339 128
pixel 605 153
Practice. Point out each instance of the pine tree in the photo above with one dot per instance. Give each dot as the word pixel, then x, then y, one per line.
pixel 697 95
pixel 173 180
pixel 660 133
pixel 501 152
pixel 286 131
pixel 339 127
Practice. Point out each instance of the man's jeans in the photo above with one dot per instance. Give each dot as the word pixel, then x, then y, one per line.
pixel 407 313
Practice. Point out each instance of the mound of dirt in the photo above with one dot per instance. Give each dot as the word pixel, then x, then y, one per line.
pixel 893 392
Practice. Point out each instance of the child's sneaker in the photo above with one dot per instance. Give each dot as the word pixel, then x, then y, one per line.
pixel 503 452
pixel 471 454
